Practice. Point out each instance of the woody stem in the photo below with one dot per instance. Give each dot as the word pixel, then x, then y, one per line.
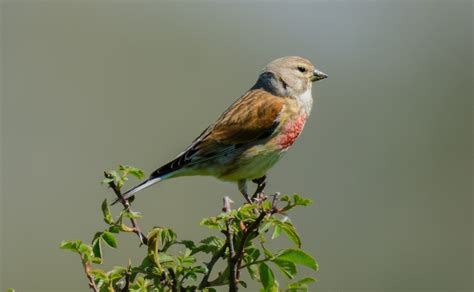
pixel 126 205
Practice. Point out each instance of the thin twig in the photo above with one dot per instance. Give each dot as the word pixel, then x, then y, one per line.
pixel 87 268
pixel 126 287
pixel 231 259
pixel 219 254
pixel 229 234
pixel 174 281
pixel 227 202
pixel 126 205
pixel 240 252
pixel 247 233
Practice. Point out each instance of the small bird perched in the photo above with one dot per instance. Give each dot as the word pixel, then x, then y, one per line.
pixel 253 133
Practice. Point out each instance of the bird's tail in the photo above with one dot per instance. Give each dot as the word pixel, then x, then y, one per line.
pixel 145 184
pixel 171 169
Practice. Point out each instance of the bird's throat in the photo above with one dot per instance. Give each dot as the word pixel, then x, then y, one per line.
pixel 305 100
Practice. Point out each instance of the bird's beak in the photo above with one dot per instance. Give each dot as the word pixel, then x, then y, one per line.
pixel 318 75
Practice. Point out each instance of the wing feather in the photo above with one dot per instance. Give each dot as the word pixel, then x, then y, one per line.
pixel 253 117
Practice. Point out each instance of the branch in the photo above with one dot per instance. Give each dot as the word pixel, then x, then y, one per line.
pixel 87 268
pixel 126 287
pixel 246 235
pixel 174 282
pixel 254 226
pixel 126 205
pixel 230 260
pixel 230 242
pixel 128 274
pixel 219 254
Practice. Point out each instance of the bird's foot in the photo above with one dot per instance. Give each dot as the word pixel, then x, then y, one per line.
pixel 261 183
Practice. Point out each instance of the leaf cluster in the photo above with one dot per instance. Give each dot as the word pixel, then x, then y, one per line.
pixel 241 241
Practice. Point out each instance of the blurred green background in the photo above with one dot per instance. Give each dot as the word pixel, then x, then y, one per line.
pixel 386 156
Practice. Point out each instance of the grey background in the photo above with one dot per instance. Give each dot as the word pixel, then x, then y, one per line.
pixel 386 156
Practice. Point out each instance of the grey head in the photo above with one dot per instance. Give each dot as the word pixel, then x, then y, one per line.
pixel 289 76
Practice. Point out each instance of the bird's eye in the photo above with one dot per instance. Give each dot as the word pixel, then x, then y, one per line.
pixel 301 69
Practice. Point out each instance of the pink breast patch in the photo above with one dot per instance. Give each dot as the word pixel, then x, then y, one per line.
pixel 290 132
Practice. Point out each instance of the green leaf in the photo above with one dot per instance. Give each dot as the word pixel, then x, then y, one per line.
pixel 140 285
pixel 276 231
pixel 99 274
pixel 136 172
pixel 114 229
pixel 285 198
pixel 306 280
pixel 115 175
pixel 266 276
pixel 290 231
pixel 287 268
pixel 188 244
pixel 190 275
pixel 109 238
pixel 70 245
pixel 165 258
pixel 107 180
pixel 300 285
pixel 168 238
pixel 210 222
pixel 246 212
pixel 86 253
pixel 117 273
pixel 251 254
pixel 10 290
pixel 264 227
pixel 297 256
pixel 106 212
pixel 209 244
pixel 267 252
pixel 153 237
pixel 200 269
pixel 132 214
pixel 84 249
pixel 186 259
pixel 267 205
pixel 97 247
pixel 300 201
pixel 253 272
pixel 213 241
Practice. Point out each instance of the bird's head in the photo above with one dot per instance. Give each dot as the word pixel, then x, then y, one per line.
pixel 290 76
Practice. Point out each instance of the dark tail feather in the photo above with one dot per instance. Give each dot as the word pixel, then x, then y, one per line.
pixel 147 183
pixel 160 174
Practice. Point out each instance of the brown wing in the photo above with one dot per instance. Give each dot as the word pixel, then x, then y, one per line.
pixel 252 117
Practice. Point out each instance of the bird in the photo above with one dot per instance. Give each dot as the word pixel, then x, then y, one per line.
pixel 253 133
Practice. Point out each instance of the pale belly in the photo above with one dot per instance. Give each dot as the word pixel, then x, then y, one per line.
pixel 254 163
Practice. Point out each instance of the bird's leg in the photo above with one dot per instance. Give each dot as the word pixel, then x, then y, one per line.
pixel 242 184
pixel 261 183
